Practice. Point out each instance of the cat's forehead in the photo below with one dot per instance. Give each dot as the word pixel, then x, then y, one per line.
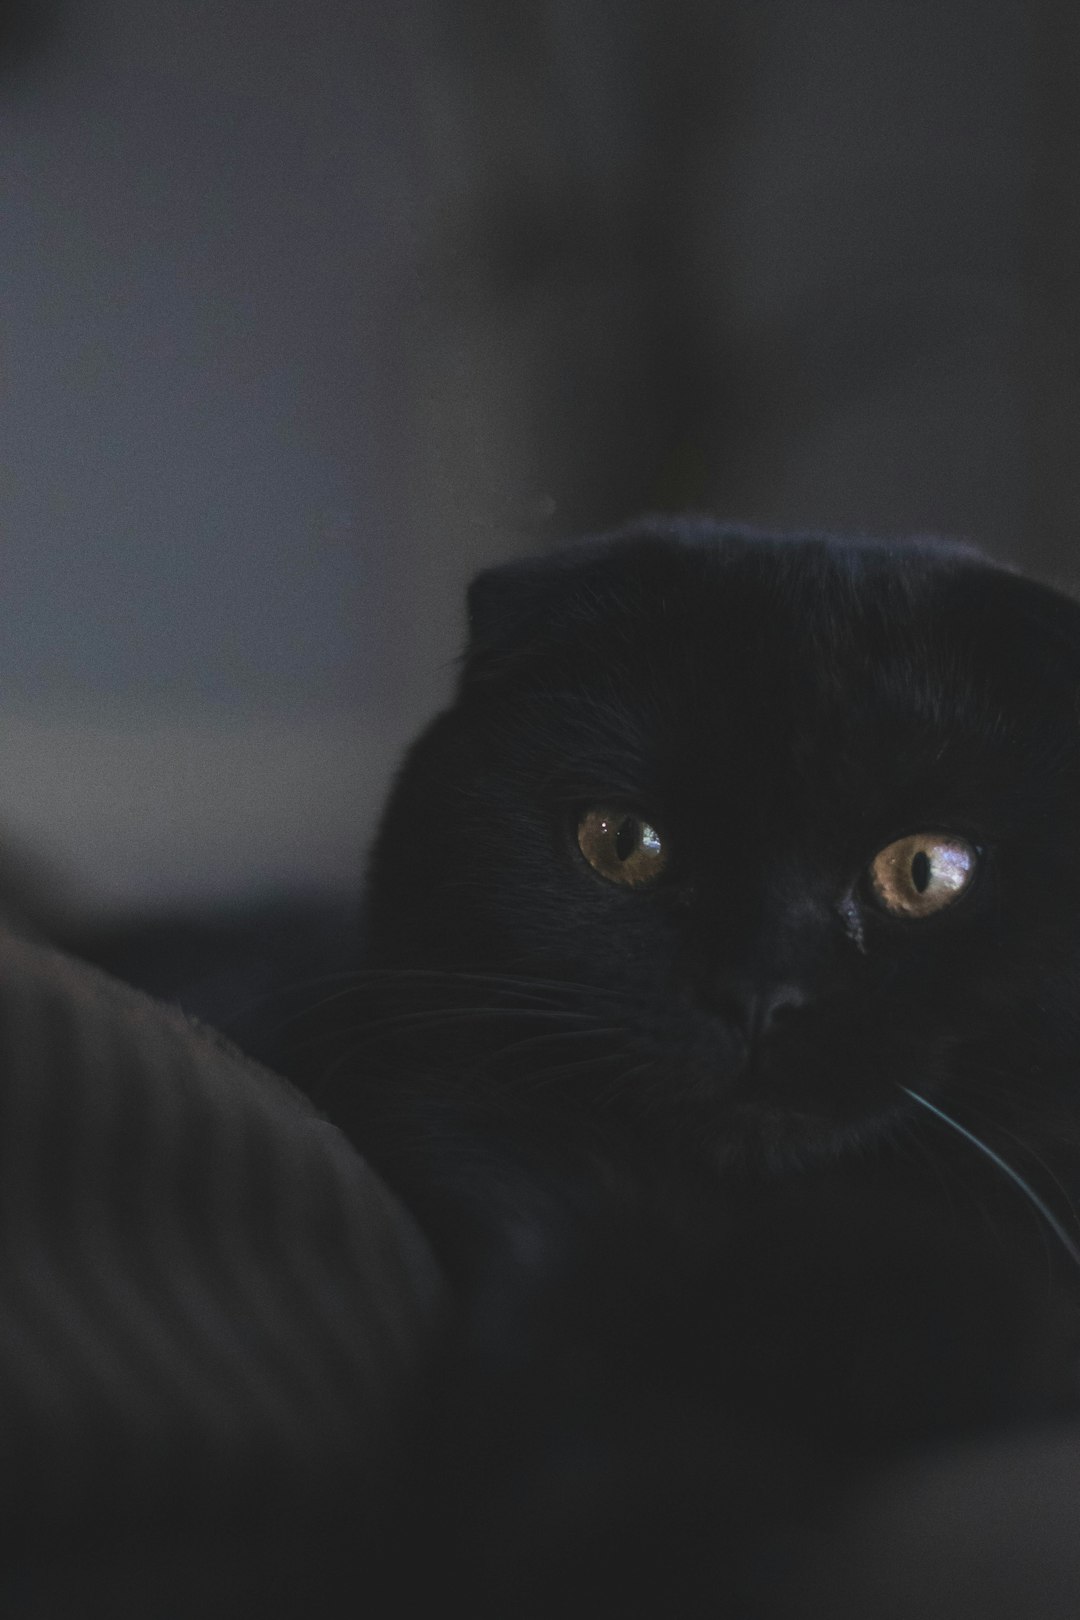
pixel 729 645
pixel 705 605
pixel 826 592
pixel 749 611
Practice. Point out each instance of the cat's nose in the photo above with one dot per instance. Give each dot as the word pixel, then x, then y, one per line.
pixel 756 1009
pixel 770 1005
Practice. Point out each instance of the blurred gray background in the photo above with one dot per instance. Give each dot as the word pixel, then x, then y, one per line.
pixel 309 311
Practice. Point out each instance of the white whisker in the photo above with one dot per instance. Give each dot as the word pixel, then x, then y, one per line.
pixel 1029 1192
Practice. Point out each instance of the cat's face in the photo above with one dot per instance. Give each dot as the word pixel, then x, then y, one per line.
pixel 794 823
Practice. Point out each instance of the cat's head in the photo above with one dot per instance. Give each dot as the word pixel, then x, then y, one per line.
pixel 756 831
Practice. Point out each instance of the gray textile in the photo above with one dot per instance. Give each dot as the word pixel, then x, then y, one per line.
pixel 213 1316
pixel 985 1532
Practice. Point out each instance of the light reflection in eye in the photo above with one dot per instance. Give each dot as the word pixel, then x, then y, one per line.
pixel 621 845
pixel 922 873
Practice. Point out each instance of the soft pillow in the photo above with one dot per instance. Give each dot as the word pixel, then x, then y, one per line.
pixel 214 1318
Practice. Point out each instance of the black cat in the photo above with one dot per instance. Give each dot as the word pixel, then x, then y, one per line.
pixel 721 1023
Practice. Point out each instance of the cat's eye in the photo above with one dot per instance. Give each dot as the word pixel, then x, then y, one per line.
pixel 921 874
pixel 622 846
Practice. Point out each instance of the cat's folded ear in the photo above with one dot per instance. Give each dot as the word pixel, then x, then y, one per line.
pixel 514 607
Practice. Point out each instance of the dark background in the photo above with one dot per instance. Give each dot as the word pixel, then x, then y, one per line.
pixel 310 310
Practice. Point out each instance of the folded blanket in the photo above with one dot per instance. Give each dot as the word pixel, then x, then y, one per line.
pixel 214 1319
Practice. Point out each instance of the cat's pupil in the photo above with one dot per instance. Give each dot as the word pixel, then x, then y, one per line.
pixel 920 871
pixel 626 839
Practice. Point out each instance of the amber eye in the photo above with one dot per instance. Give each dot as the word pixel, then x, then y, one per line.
pixel 922 873
pixel 620 845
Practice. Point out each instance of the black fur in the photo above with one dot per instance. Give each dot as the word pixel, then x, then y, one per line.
pixel 709 1278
